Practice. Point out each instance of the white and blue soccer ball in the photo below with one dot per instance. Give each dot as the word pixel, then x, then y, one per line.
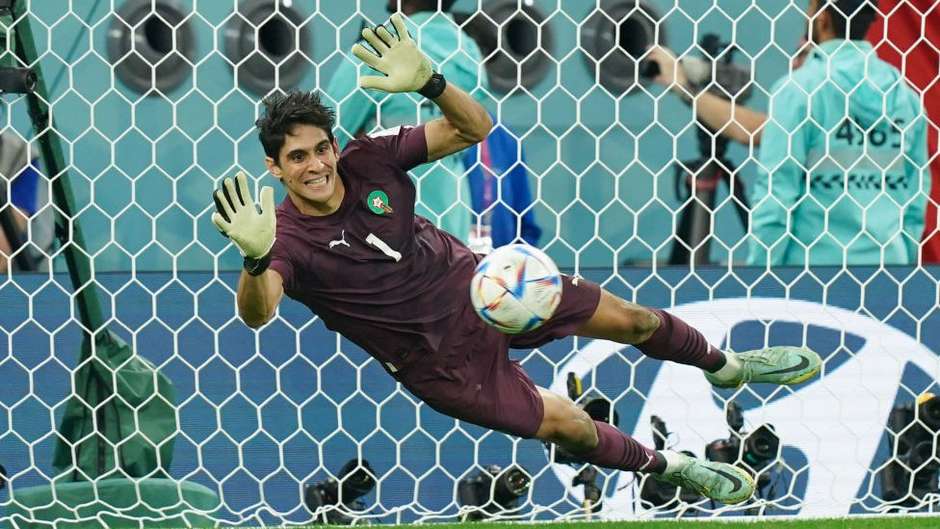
pixel 516 288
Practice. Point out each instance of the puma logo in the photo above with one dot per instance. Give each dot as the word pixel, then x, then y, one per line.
pixel 341 240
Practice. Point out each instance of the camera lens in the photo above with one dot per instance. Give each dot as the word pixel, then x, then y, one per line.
pixel 649 69
pixel 923 452
pixel 761 447
pixel 722 450
pixel 511 485
pixel 929 413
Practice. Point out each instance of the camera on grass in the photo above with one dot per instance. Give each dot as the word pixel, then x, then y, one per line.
pixel 909 480
pixel 492 491
pixel 337 501
pixel 754 451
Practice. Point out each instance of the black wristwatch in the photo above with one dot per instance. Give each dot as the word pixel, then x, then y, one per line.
pixel 434 87
pixel 256 266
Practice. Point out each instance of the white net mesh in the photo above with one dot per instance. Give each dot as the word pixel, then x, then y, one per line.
pixel 153 103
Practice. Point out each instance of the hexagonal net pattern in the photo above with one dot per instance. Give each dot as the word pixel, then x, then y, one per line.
pixel 797 224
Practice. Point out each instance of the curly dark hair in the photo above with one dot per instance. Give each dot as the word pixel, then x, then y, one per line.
pixel 282 111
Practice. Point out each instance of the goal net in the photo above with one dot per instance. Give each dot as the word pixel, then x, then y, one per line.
pixel 175 410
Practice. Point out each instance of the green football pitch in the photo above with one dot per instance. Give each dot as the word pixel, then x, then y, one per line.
pixel 900 522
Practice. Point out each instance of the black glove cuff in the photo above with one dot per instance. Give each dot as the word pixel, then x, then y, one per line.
pixel 256 267
pixel 434 87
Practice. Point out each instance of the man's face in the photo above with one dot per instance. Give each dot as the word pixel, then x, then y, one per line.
pixel 306 166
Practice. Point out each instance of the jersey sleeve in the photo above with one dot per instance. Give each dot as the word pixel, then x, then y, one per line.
pixel 281 263
pixel 407 146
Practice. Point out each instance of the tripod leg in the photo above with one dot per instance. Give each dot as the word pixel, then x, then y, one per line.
pixel 680 255
pixel 695 217
pixel 690 214
pixel 702 214
pixel 739 193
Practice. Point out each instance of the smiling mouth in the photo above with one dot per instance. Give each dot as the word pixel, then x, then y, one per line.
pixel 320 180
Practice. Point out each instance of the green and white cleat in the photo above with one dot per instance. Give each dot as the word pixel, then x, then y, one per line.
pixel 718 481
pixel 785 365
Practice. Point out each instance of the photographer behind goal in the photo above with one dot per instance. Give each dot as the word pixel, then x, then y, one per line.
pixel 842 173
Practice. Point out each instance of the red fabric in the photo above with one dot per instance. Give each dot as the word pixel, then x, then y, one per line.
pixel 917 55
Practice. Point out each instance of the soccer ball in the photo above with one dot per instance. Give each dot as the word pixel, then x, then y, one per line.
pixel 516 288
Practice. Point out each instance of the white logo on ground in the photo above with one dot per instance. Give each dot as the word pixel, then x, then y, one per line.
pixel 837 420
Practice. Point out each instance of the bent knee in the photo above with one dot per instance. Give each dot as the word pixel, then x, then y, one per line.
pixel 635 323
pixel 642 323
pixel 619 320
pixel 566 425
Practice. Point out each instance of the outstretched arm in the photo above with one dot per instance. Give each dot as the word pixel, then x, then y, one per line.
pixel 465 121
pixel 259 288
pixel 736 122
pixel 258 297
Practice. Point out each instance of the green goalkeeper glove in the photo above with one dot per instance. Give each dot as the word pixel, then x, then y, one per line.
pixel 238 219
pixel 406 68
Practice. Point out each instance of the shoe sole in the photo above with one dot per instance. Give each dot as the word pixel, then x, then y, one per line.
pixel 804 377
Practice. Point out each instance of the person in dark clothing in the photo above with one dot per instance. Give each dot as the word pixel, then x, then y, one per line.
pixel 347 244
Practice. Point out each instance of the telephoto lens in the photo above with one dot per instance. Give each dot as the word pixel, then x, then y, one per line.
pixel 356 479
pixel 510 486
pixel 493 490
pixel 929 413
pixel 761 447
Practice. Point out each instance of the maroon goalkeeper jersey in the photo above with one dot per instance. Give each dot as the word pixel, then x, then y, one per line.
pixel 374 271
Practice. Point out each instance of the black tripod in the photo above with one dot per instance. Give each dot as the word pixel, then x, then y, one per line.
pixel 699 180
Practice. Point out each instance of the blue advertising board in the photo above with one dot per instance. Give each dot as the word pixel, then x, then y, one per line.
pixel 263 413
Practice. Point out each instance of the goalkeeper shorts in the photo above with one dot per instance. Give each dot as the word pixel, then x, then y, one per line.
pixel 471 377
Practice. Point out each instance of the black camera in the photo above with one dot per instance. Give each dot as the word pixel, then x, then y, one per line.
pixel 492 491
pixel 713 71
pixel 911 475
pixel 754 451
pixel 338 499
pixel 659 493
pixel 699 178
pixel 587 477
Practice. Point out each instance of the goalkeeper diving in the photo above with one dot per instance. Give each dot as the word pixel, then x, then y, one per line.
pixel 346 243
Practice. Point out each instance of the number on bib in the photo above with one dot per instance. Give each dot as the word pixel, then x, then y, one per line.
pixel 383 247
